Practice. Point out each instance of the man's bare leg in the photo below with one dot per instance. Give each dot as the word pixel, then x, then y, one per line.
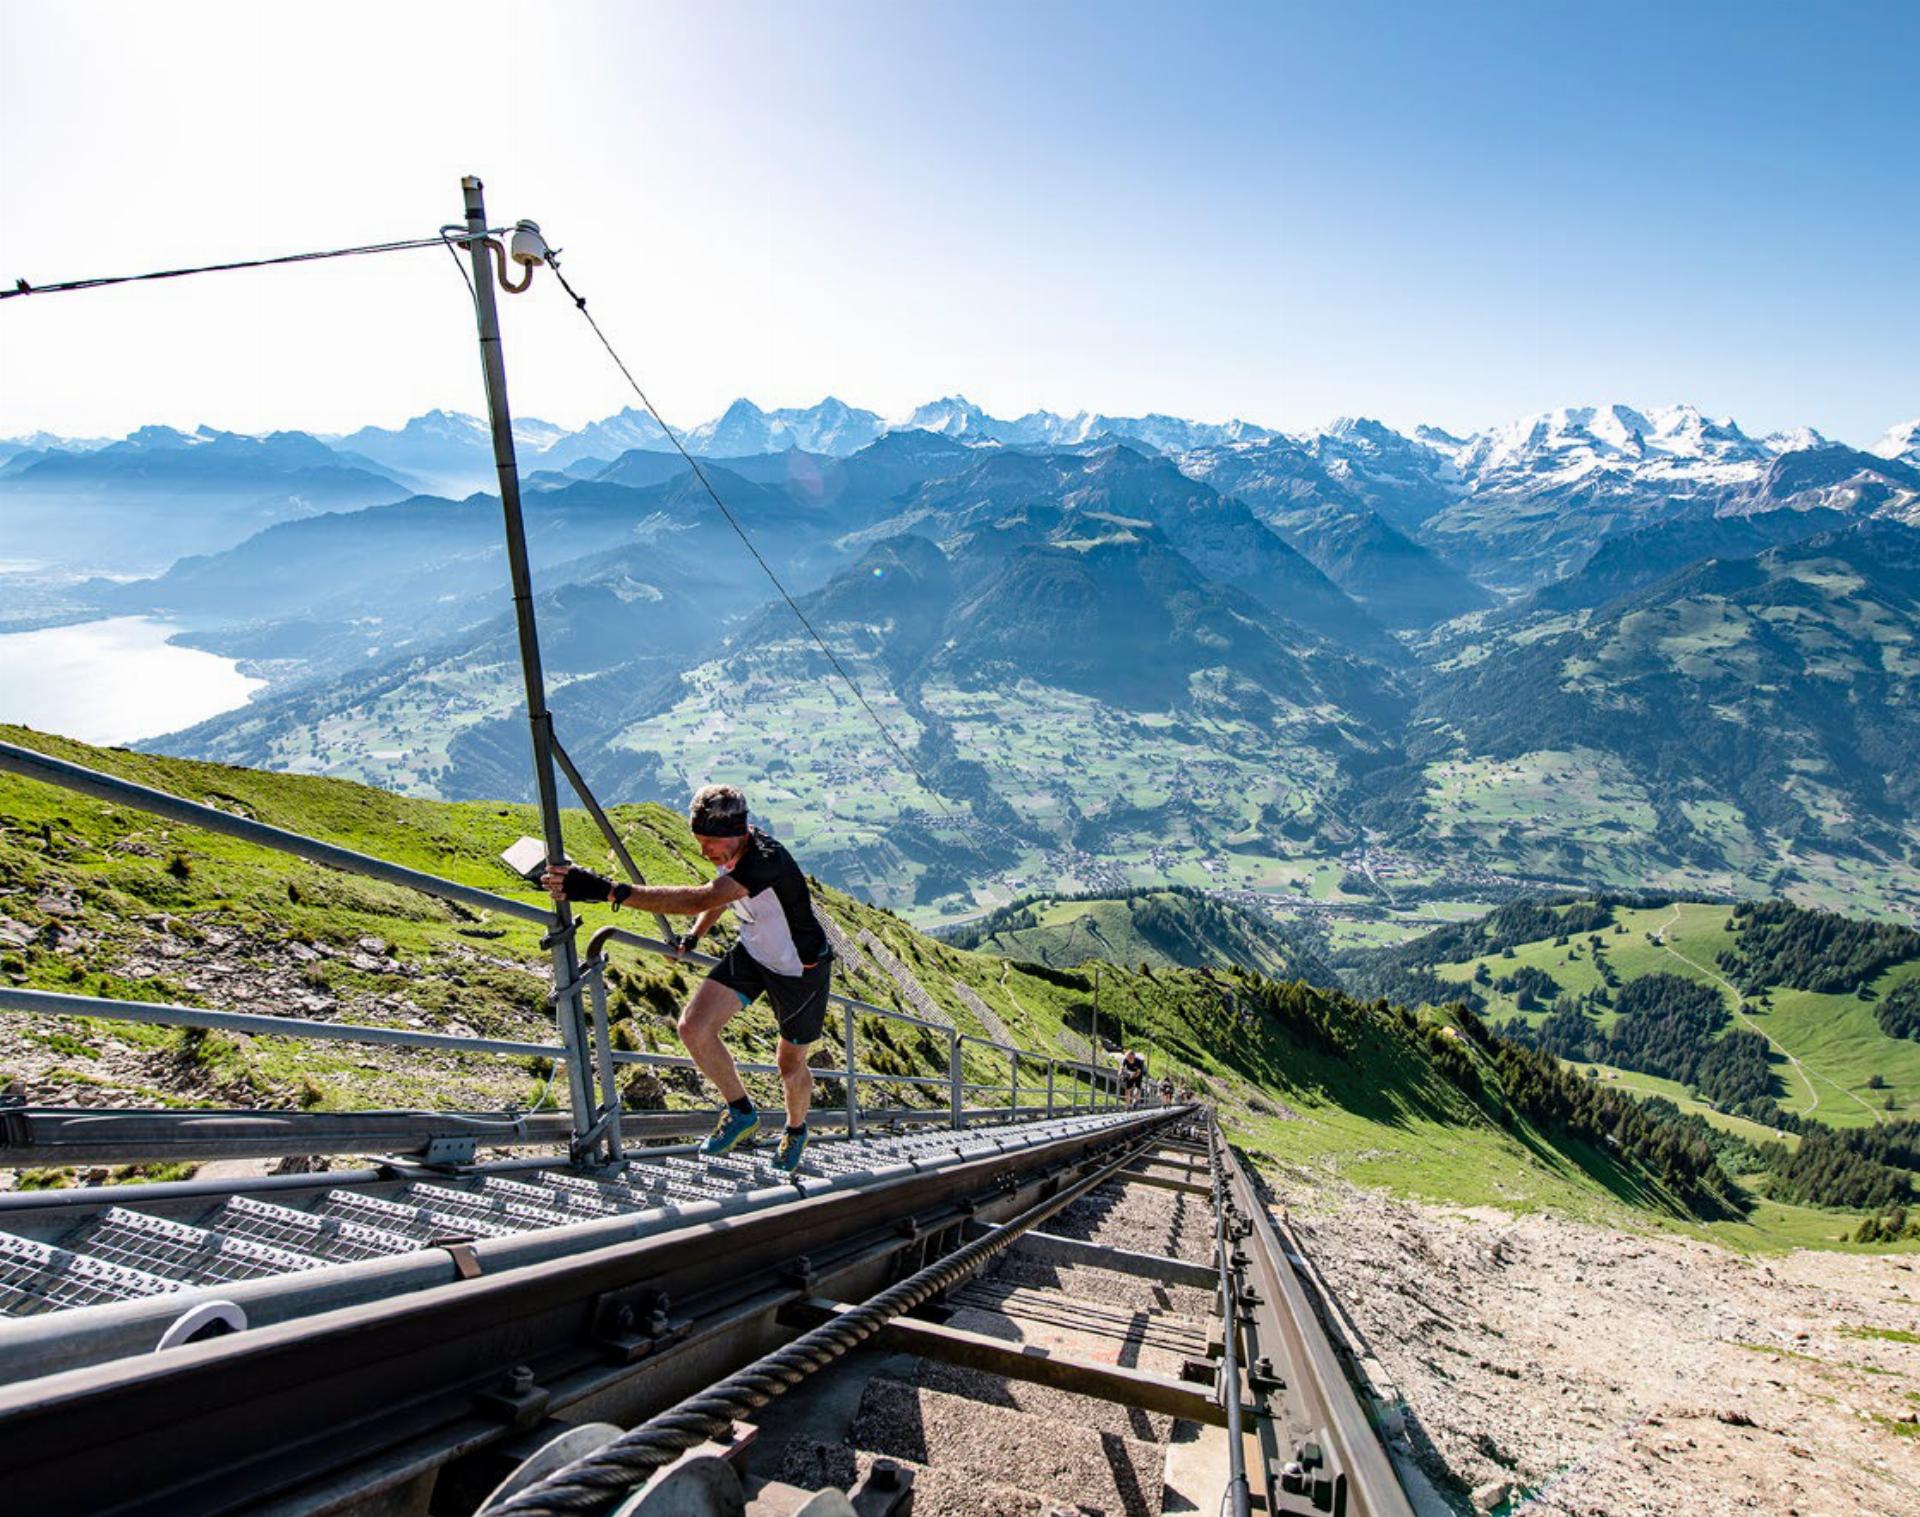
pixel 796 1081
pixel 709 1010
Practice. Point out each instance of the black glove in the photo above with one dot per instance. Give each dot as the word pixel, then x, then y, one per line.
pixel 584 885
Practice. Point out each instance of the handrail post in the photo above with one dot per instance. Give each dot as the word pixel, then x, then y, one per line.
pixel 853 1081
pixel 1013 1090
pixel 955 1095
pixel 1050 1087
pixel 608 1108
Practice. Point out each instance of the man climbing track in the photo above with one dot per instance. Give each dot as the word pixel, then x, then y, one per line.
pixel 782 953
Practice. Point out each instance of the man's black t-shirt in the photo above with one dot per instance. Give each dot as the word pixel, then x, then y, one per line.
pixel 777 925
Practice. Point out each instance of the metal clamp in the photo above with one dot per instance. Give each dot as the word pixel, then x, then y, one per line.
pixel 519 1403
pixel 630 1324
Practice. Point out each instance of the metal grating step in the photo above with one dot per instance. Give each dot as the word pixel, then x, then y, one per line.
pixel 175 1251
pixel 618 1196
pixel 37 1277
pixel 333 1240
pixel 710 1177
pixel 482 1206
pixel 124 1254
pixel 564 1204
pixel 417 1222
pixel 989 1018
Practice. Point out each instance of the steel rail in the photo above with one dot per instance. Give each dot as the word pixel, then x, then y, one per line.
pixel 1237 1495
pixel 328 1411
pixel 48 1342
pixel 1355 1474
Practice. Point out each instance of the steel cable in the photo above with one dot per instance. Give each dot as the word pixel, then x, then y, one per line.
pixel 859 695
pixel 68 286
pixel 591 1485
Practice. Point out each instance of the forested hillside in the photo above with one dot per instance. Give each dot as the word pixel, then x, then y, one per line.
pixel 1179 925
pixel 1786 1031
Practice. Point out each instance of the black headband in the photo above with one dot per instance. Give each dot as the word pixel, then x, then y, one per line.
pixel 721 827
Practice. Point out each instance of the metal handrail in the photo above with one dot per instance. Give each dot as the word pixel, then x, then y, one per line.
pixel 594 963
pixel 32 765
pixel 605 1111
pixel 596 950
pixel 56 1003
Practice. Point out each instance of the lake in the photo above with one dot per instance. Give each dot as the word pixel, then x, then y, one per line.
pixel 114 681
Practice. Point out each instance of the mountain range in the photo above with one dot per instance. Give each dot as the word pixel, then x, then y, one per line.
pixel 1602 645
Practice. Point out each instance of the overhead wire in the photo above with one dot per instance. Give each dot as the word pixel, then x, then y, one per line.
pixel 446 238
pixel 886 734
pixel 68 286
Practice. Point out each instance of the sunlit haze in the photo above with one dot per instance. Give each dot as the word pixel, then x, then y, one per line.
pixel 1279 213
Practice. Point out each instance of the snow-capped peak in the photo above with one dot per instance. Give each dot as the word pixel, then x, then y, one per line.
pixel 951 416
pixel 1793 440
pixel 1678 443
pixel 1902 442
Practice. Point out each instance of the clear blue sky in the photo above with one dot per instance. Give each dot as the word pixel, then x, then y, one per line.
pixel 1455 214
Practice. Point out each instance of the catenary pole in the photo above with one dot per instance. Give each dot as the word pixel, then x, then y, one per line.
pixel 569 1008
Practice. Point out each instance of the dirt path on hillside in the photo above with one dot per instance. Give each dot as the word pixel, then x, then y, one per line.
pixel 1558 1369
pixel 1805 1070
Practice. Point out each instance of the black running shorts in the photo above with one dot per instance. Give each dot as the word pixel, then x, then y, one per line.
pixel 799 1001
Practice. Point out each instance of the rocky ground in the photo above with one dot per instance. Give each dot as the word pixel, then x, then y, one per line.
pixel 1560 1369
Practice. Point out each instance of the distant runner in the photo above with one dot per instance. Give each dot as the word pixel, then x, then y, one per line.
pixel 782 954
pixel 1166 1091
pixel 1133 1074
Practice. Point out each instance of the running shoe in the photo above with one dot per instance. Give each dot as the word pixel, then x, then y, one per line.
pixel 786 1158
pixel 733 1128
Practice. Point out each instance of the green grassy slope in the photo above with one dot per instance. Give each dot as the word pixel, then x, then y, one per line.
pixel 102 900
